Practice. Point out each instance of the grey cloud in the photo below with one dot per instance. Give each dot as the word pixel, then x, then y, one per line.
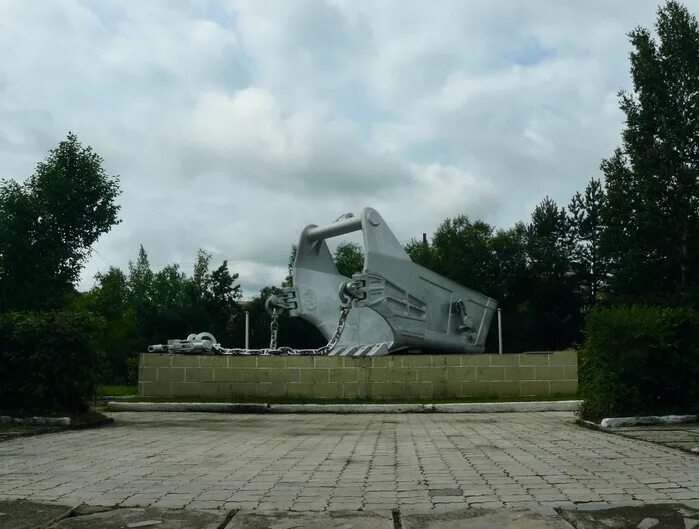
pixel 235 124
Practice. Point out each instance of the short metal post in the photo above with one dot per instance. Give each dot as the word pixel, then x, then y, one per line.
pixel 500 330
pixel 247 330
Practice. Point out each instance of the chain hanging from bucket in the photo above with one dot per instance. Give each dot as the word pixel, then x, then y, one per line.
pixel 273 349
pixel 205 343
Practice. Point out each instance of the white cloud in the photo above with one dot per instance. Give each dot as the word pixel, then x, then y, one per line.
pixel 235 124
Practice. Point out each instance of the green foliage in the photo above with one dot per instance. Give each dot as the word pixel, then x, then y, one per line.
pixel 640 360
pixel 48 360
pixel 49 223
pixel 146 307
pixel 349 258
pixel 586 231
pixel 652 180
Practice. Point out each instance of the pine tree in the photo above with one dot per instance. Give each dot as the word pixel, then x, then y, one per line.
pixel 652 180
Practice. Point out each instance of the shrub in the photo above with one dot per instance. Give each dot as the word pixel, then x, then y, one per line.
pixel 640 360
pixel 47 361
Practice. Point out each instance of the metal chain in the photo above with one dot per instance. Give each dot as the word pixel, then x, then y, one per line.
pixel 345 308
pixel 273 329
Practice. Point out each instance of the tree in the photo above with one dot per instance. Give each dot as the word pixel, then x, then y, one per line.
pixel 555 302
pixel 461 250
pixel 349 258
pixel 49 223
pixel 652 179
pixel 586 230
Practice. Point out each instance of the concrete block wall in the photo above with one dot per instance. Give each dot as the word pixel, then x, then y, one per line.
pixel 446 376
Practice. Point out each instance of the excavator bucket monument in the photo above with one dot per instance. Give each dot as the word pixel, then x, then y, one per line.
pixel 398 305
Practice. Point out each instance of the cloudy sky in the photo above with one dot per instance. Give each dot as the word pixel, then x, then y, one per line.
pixel 234 124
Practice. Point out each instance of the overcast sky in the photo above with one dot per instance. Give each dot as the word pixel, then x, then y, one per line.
pixel 234 124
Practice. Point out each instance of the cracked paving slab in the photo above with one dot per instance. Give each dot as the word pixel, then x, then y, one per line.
pixel 418 463
pixel 135 518
pixel 29 514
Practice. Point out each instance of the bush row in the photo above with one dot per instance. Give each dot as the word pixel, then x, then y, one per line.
pixel 640 360
pixel 48 361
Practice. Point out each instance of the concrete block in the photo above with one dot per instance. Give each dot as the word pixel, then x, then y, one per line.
pixel 475 360
pixel 343 375
pixel 503 388
pixel 570 372
pixel 446 360
pixel 185 360
pixel 314 375
pixel 504 360
pixel 432 374
pixel 243 389
pixel 549 373
pixel 440 389
pixel 327 390
pixel 475 389
pixel 299 389
pixel 564 358
pixel 404 374
pixel 382 390
pixel 183 389
pixel 419 390
pixel 275 362
pixel 357 361
pixel 328 362
pixel 454 389
pixel 225 374
pixel 213 361
pixel 490 373
pixel 199 374
pixel 215 389
pixel 278 376
pixel 520 373
pixel 354 390
pixel 416 360
pixel 377 374
pixel 534 359
pixel 266 389
pixel 563 387
pixel 154 360
pixel 461 374
pixel 170 374
pixel 148 374
pixel 528 388
pixel 256 375
pixel 241 361
pixel 385 361
pixel 299 361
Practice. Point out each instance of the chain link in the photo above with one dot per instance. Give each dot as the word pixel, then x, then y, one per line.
pixel 345 308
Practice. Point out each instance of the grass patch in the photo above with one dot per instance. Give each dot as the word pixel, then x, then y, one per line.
pixel 116 391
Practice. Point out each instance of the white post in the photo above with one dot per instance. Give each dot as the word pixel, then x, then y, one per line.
pixel 500 330
pixel 247 330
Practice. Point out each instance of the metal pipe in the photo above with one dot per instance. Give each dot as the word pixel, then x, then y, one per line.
pixel 333 230
pixel 500 330
pixel 247 330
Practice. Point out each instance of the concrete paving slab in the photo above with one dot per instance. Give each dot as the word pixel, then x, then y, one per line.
pixel 667 516
pixel 321 462
pixel 29 514
pixel 485 519
pixel 143 518
pixel 332 520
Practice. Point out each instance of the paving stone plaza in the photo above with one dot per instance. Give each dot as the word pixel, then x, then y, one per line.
pixel 418 463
